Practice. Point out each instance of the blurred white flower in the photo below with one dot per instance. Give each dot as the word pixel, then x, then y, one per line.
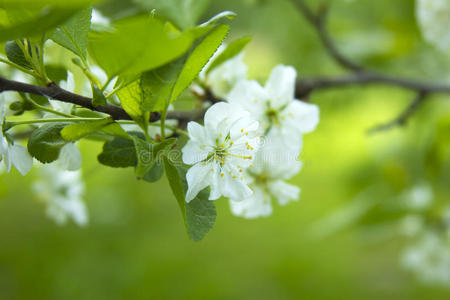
pixel 411 225
pixel 275 107
pixel 418 197
pixel 433 17
pixel 62 191
pixel 220 151
pixel 429 258
pixel 12 154
pixel 222 78
pixel 98 18
pixel 272 165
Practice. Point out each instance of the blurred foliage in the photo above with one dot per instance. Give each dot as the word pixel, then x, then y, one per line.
pixel 135 246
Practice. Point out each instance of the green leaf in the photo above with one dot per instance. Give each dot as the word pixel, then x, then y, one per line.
pixel 157 85
pixel 154 173
pixel 176 184
pixel 131 99
pixel 56 73
pixel 118 153
pixel 36 24
pixel 184 13
pixel 230 51
pixel 46 141
pixel 74 132
pixel 98 98
pixel 148 154
pixel 225 14
pixel 15 54
pixel 199 214
pixel 198 59
pixel 137 44
pixel 73 34
pixel 163 85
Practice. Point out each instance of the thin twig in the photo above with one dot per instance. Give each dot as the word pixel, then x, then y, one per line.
pixel 403 117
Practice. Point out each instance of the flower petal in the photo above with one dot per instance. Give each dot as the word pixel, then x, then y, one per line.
pixel 301 117
pixel 283 191
pixel 193 152
pixel 198 177
pixel 257 205
pixel 21 159
pixel 281 85
pixel 69 157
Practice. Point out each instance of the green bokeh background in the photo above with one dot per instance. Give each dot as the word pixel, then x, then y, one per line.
pixel 135 246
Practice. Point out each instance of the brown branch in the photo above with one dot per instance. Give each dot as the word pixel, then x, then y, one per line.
pixel 402 119
pixel 319 22
pixel 53 91
pixel 359 75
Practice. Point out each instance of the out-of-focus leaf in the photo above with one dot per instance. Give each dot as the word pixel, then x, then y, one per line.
pixel 230 51
pixel 136 45
pixel 73 34
pixel 184 13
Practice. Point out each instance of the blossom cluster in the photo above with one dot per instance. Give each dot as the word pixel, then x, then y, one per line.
pixel 249 144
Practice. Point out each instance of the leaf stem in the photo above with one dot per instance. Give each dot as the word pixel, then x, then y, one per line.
pixel 50 120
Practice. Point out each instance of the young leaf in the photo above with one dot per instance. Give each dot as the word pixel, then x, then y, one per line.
pixel 225 14
pixel 230 51
pixel 131 99
pixel 76 131
pixel 73 34
pixel 118 153
pixel 15 54
pixel 200 214
pixel 46 141
pixel 98 98
pixel 56 73
pixel 198 59
pixel 144 45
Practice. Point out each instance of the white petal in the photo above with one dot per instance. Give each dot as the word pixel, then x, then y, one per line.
pixel 21 159
pixel 281 85
pixel 196 132
pixel 193 152
pixel 257 205
pixel 69 157
pixel 215 192
pixel 283 191
pixel 232 183
pixel 301 117
pixel 7 159
pixel 223 112
pixel 251 96
pixel 198 177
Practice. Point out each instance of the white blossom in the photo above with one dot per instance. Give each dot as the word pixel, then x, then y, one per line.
pixel 429 258
pixel 12 154
pixel 433 17
pixel 62 192
pixel 272 166
pixel 275 106
pixel 222 78
pixel 220 151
